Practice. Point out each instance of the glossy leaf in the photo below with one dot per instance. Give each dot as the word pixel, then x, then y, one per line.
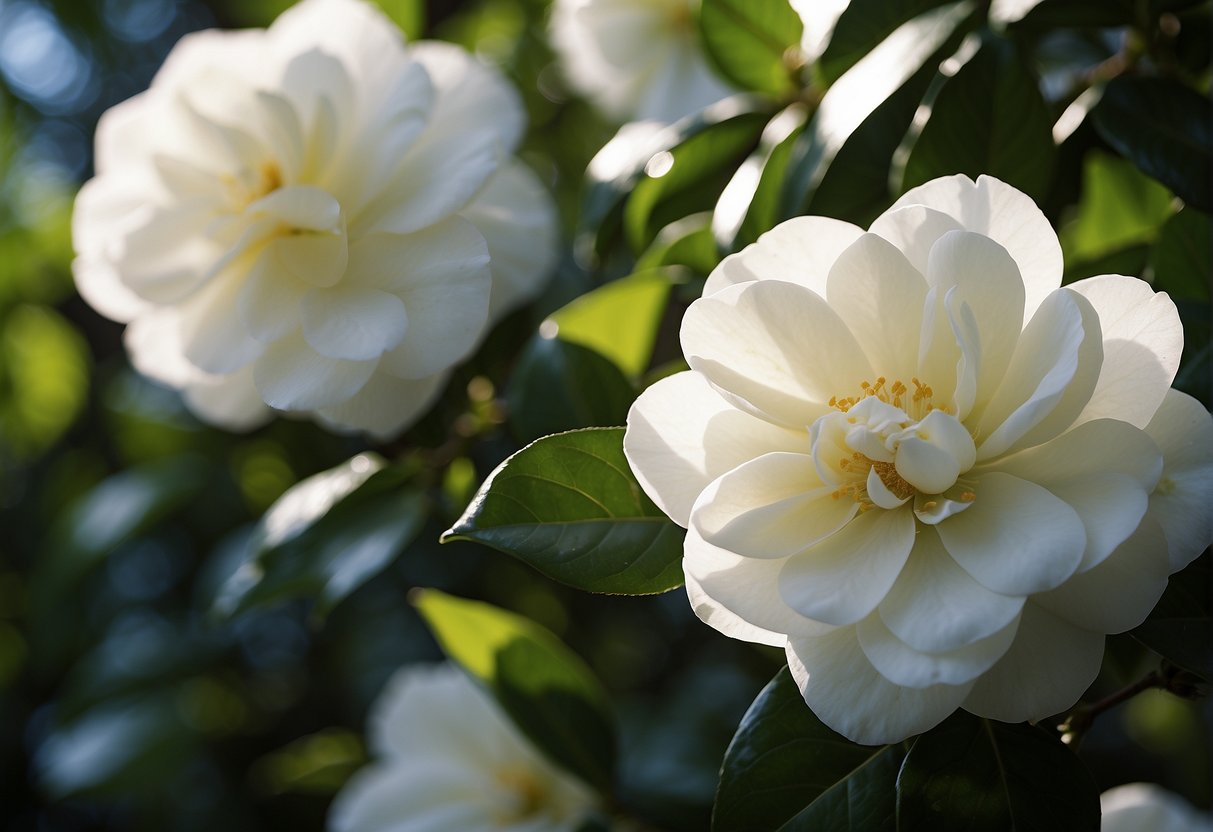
pixel 327 536
pixel 545 689
pixel 853 98
pixel 694 172
pixel 560 386
pixel 989 117
pixel 749 204
pixel 1183 257
pixel 619 320
pixel 1181 626
pixel 753 43
pixel 971 773
pixel 1164 128
pixel 786 770
pixel 861 27
pixel 569 506
pixel 686 242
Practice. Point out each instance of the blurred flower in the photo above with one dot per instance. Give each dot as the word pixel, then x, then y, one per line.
pixel 450 759
pixel 311 218
pixel 934 476
pixel 1134 807
pixel 636 59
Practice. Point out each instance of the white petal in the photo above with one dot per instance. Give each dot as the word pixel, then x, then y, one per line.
pixel 800 250
pixel 933 453
pixel 1101 447
pixel 231 402
pixel 1005 215
pixel 1049 380
pixel 1049 666
pixel 269 300
pixel 392 798
pixel 1016 538
pixel 681 435
pixel 290 375
pixel 849 695
pixel 517 217
pixel 153 342
pixel 1138 806
pixel 842 579
pixel 442 276
pixel 776 346
pixel 720 618
pixel 359 35
pixel 731 587
pixel 901 664
pixel 1110 506
pixel 384 406
pixel 770 507
pixel 879 296
pixel 914 230
pixel 168 256
pixel 212 336
pixel 300 206
pixel 353 323
pixel 1118 593
pixel 1183 430
pixel 935 605
pixel 988 283
pixel 1142 342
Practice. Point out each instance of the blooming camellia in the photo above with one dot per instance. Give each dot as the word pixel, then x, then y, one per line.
pixel 450 759
pixel 1134 807
pixel 311 218
pixel 911 458
pixel 635 59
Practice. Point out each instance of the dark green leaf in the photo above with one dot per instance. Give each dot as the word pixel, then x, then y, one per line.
pixel 1165 129
pixel 620 165
pixel 971 773
pixel 1183 256
pixel 327 536
pixel 560 386
pixel 1179 628
pixel 679 181
pixel 619 320
pixel 749 204
pixel 786 770
pixel 569 506
pixel 547 690
pixel 1094 14
pixel 754 43
pixel 989 117
pixel 854 98
pixel 863 25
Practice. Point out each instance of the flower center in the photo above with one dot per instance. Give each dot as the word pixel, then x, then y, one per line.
pixel 523 785
pixel 890 444
pixel 250 184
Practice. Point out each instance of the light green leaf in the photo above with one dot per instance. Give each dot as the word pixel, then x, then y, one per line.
pixel 618 320
pixel 569 506
pixel 754 43
pixel 545 689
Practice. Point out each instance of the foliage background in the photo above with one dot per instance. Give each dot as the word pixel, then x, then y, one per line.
pixel 128 700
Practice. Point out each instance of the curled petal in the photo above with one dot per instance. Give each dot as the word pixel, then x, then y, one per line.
pixel 903 665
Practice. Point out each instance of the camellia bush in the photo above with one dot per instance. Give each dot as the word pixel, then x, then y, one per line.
pixel 731 415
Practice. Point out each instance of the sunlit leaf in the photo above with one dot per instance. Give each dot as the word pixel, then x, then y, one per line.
pixel 559 386
pixel 1164 128
pixel 686 242
pixel 786 770
pixel 988 117
pixel 971 773
pixel 754 43
pixel 749 204
pixel 862 25
pixel 327 536
pixel 546 689
pixel 569 506
pixel 618 320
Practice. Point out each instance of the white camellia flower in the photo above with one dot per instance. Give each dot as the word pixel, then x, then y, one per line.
pixel 448 758
pixel 636 59
pixel 311 218
pixel 1135 807
pixel 911 458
